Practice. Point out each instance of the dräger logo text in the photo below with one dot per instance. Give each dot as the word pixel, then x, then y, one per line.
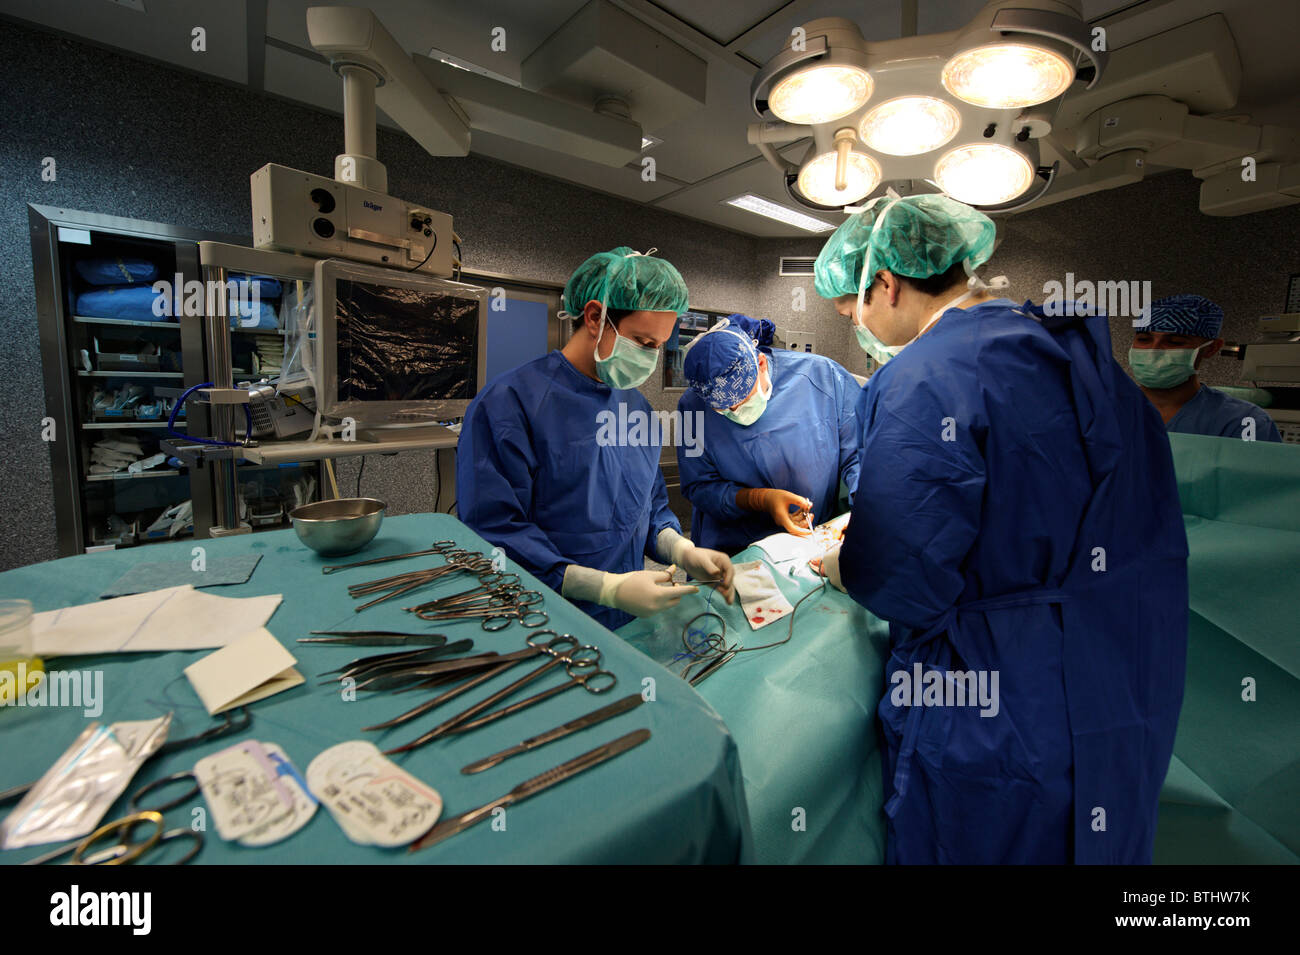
pixel 102 908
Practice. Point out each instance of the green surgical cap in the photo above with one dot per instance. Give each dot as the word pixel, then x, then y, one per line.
pixel 916 236
pixel 632 281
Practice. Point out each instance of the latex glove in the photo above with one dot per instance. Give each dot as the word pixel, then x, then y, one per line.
pixel 778 504
pixel 642 593
pixel 829 567
pixel 704 564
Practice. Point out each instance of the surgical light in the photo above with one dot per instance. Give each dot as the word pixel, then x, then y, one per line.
pixel 819 94
pixel 828 181
pixel 983 174
pixel 909 125
pixel 1007 75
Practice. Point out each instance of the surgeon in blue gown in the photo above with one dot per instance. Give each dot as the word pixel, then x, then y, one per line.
pixel 1017 523
pixel 780 436
pixel 1183 332
pixel 541 472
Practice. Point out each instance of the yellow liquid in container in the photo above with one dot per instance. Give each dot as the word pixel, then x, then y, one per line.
pixel 19 676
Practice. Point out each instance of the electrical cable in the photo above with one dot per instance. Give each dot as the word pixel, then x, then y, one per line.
pixel 715 643
pixel 180 403
pixel 417 268
pixel 360 471
pixel 437 481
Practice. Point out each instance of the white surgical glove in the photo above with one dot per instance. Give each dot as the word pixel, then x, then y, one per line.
pixel 830 568
pixel 640 592
pixel 699 562
pixel 704 564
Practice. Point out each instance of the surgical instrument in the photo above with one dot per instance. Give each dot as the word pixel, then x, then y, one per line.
pixel 374 638
pixel 227 726
pixel 456 562
pixel 439 547
pixel 437 701
pixel 399 661
pixel 569 657
pixel 617 708
pixel 589 681
pixel 531 787
pixel 388 681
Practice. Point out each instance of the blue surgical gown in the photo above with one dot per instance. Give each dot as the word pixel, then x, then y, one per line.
pixel 1017 515
pixel 532 479
pixel 806 441
pixel 1220 415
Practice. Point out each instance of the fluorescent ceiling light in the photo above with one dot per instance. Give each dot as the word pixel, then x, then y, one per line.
pixel 468 67
pixel 765 207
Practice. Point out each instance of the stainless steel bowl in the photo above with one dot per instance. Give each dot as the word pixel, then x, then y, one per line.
pixel 335 528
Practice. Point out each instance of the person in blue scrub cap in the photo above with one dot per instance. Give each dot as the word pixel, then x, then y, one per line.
pixel 780 437
pixel 534 476
pixel 1182 333
pixel 1017 523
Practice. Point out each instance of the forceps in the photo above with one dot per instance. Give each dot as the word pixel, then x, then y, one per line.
pixel 585 673
pixel 439 547
pixel 374 638
pixel 577 656
pixel 456 562
pixel 372 666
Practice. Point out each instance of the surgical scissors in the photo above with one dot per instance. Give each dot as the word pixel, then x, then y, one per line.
pixel 439 547
pixel 497 603
pixel 566 658
pixel 577 677
pixel 456 562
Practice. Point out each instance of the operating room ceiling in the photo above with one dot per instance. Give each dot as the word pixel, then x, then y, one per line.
pixel 702 158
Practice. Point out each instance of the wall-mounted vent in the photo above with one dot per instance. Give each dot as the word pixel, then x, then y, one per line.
pixel 797 264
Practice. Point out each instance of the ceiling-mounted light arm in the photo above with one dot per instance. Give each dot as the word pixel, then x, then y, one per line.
pixel 1047 173
pixel 763 135
pixel 1057 26
pixel 815 48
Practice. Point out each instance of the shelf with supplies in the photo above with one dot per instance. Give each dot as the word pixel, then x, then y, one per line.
pixel 85 320
pixel 170 472
pixel 126 424
pixel 130 374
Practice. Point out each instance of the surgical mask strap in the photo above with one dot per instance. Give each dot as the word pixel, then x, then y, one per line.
pixel 894 198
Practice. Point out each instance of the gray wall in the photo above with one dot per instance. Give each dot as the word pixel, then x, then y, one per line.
pixel 136 139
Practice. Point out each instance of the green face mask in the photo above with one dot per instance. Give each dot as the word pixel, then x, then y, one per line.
pixel 752 408
pixel 873 346
pixel 1163 367
pixel 628 364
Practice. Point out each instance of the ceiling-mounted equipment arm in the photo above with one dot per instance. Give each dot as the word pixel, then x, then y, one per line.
pixel 377 71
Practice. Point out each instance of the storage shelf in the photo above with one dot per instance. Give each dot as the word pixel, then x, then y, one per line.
pixel 130 374
pixel 86 320
pixel 126 476
pixel 114 425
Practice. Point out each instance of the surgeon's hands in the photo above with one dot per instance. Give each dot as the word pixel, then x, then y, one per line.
pixel 643 593
pixel 712 565
pixel 779 505
pixel 829 567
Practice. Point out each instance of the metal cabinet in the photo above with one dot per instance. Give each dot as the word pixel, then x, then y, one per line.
pixel 112 374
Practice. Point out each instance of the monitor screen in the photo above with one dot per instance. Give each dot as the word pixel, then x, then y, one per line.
pixel 404 344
